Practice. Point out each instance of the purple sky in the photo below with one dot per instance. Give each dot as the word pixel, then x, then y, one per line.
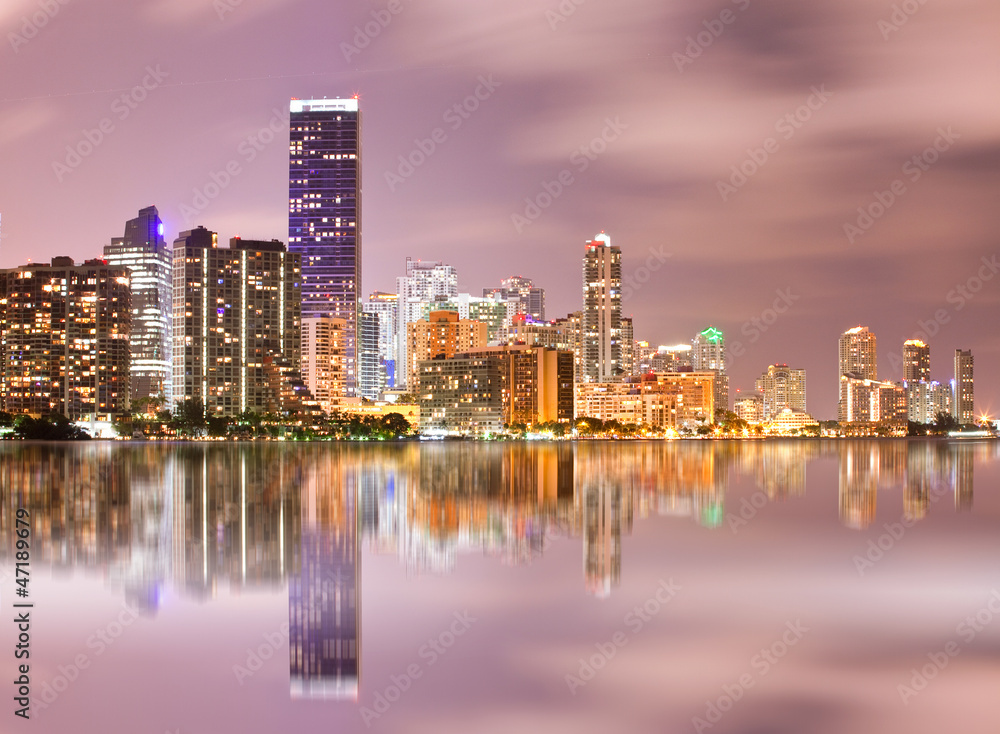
pixel 675 125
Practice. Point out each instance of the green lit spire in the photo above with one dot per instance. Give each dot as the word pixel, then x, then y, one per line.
pixel 712 334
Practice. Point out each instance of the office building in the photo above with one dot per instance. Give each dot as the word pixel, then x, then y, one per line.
pixel 782 387
pixel 460 394
pixel 64 339
pixel 235 310
pixel 324 213
pixel 600 327
pixel 964 395
pixel 442 334
pixel 370 375
pixel 425 285
pixel 144 252
pixel 628 346
pixel 708 352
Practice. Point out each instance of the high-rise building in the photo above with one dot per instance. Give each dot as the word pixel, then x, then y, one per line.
pixel 144 252
pixel 425 285
pixel 324 213
pixel 856 357
pixel 323 360
pixel 926 399
pixel 601 327
pixel 963 402
pixel 386 307
pixel 530 299
pixel 662 400
pixel 871 401
pixel 628 346
pixel 750 408
pixel 441 334
pixel 709 353
pixel 236 312
pixel 485 388
pixel 370 376
pixel 916 361
pixel 64 339
pixel 782 387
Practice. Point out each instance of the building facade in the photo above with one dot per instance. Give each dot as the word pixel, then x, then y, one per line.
pixel 601 327
pixel 963 403
pixel 143 250
pixel 323 360
pixel 418 292
pixel 674 400
pixel 64 339
pixel 855 357
pixel 708 352
pixel 386 307
pixel 236 310
pixel 442 334
pixel 324 213
pixel 916 361
pixel 782 387
pixel 530 299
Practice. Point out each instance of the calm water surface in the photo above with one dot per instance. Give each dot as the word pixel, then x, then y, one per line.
pixel 731 587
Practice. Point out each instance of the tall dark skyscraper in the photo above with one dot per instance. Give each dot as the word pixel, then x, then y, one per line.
pixel 324 213
pixel 144 251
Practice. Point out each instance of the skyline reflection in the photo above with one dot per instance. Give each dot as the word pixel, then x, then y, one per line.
pixel 202 519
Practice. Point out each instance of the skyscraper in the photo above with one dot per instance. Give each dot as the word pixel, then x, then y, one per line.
pixel 856 357
pixel 601 327
pixel 916 361
pixel 324 213
pixel 236 322
pixel 417 292
pixel 962 405
pixel 709 354
pixel 144 252
pixel 386 307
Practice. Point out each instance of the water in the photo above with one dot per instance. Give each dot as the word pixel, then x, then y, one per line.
pixel 778 586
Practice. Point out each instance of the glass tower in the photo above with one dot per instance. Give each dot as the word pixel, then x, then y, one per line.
pixel 143 250
pixel 324 213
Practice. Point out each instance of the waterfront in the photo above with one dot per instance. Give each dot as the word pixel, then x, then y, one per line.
pixel 593 586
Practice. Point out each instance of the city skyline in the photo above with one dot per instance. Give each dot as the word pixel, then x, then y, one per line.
pixel 644 158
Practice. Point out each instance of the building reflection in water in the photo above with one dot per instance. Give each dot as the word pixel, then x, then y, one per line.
pixel 204 519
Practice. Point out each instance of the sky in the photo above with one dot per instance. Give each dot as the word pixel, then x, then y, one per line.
pixel 781 170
